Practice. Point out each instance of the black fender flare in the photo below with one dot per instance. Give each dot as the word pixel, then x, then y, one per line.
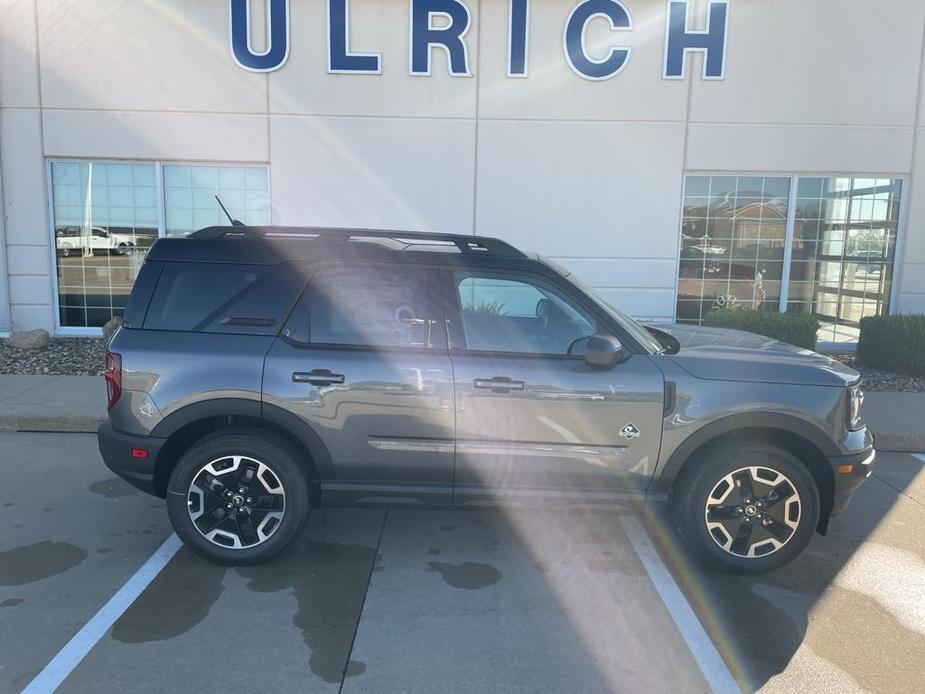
pixel 667 473
pixel 279 418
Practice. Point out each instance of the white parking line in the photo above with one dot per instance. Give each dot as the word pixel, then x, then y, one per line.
pixel 920 456
pixel 69 657
pixel 708 658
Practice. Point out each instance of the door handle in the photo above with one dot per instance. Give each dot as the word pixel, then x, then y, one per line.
pixel 499 384
pixel 318 377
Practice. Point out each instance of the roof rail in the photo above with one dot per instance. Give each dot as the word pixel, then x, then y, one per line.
pixel 403 240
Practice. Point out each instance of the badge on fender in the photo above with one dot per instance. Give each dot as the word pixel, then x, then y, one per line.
pixel 629 431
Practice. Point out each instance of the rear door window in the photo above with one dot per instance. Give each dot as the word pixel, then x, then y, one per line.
pixel 224 298
pixel 371 306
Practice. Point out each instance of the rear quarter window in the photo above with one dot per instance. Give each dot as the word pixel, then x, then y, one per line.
pixel 142 291
pixel 223 298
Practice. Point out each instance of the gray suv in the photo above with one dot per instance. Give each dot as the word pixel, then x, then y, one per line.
pixel 263 372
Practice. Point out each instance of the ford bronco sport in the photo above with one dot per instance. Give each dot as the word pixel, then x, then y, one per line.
pixel 263 372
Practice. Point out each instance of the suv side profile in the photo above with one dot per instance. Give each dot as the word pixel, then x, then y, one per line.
pixel 261 372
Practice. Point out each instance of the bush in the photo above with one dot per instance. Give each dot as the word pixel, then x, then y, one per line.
pixel 794 328
pixel 893 343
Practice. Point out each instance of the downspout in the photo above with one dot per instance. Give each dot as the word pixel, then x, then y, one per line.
pixel 5 316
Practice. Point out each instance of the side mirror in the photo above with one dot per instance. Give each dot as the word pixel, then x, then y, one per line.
pixel 604 352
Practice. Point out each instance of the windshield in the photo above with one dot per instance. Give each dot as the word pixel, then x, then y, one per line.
pixel 631 326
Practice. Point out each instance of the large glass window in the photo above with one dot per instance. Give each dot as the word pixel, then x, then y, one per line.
pixel 732 243
pixel 844 244
pixel 107 215
pixel 842 238
pixel 105 220
pixel 189 196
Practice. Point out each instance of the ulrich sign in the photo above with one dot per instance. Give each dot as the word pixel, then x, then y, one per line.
pixel 450 36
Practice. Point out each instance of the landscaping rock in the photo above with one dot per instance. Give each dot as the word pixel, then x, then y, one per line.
pixel 30 339
pixel 874 380
pixel 65 356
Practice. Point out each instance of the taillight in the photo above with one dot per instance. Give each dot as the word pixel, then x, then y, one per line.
pixel 113 376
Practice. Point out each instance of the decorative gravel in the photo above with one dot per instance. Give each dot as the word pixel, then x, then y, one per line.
pixel 72 356
pixel 84 357
pixel 874 380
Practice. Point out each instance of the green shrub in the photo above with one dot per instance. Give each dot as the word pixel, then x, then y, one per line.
pixel 893 343
pixel 492 308
pixel 794 328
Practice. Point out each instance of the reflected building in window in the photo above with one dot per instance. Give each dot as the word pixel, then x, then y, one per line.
pixel 841 234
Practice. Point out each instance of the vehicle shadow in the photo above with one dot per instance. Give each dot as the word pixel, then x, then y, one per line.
pixel 826 612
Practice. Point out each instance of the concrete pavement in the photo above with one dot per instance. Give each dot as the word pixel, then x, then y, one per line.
pixel 78 404
pixel 897 420
pixel 453 601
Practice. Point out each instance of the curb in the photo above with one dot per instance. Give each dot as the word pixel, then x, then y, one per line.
pixel 67 425
pixel 899 443
pixel 884 443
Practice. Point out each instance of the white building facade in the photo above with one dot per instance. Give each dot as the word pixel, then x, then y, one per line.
pixel 677 155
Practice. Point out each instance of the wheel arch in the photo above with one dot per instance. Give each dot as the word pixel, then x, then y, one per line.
pixel 186 426
pixel 805 441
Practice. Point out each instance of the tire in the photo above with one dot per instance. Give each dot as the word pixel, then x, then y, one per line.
pixel 711 502
pixel 218 521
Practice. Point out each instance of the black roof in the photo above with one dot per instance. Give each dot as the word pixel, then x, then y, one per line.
pixel 271 245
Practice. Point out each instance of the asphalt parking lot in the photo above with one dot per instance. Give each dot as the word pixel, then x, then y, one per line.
pixel 452 601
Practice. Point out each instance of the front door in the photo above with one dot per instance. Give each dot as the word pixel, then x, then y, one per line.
pixel 532 419
pixel 363 362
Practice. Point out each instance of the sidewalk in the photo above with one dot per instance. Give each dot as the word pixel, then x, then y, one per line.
pixel 78 404
pixel 52 403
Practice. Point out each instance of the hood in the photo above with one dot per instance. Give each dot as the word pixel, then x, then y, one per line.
pixel 732 355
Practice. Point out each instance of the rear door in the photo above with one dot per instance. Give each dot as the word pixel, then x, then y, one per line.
pixel 363 362
pixel 532 419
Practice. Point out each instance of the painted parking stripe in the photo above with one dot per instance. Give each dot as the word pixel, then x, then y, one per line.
pixel 708 658
pixel 920 456
pixel 77 648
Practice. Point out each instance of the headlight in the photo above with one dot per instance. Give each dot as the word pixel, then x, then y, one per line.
pixel 855 400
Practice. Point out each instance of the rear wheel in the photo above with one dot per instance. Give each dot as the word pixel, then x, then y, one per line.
pixel 747 507
pixel 238 497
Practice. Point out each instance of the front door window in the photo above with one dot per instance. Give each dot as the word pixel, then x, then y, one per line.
pixel 509 313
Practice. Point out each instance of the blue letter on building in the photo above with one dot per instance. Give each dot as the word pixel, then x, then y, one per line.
pixel 277 36
pixel 340 59
pixel 680 40
pixel 576 53
pixel 448 37
pixel 518 37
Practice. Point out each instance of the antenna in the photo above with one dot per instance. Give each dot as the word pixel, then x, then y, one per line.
pixel 234 222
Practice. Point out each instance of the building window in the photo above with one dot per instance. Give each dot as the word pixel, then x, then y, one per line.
pixel 189 196
pixel 732 243
pixel 105 220
pixel 841 236
pixel 844 245
pixel 107 216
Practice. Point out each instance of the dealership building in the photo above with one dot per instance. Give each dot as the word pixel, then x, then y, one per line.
pixel 678 156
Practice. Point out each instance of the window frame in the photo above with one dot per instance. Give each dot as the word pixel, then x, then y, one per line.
pixel 160 202
pixel 899 248
pixel 438 301
pixel 453 310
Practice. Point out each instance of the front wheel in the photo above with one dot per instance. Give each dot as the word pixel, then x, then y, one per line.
pixel 238 497
pixel 747 508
